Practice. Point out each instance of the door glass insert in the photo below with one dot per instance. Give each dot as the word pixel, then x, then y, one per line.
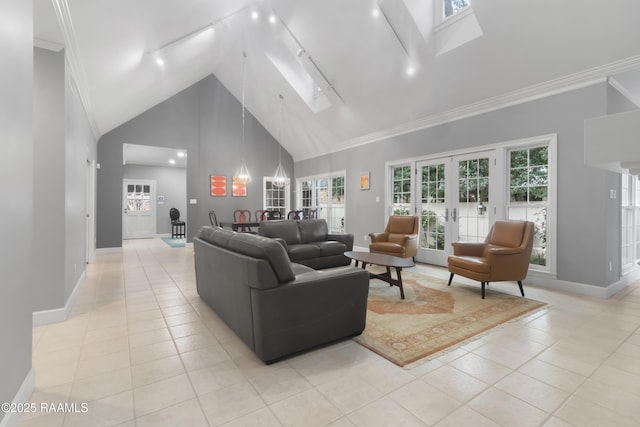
pixel 473 199
pixel 433 208
pixel 401 190
pixel 138 198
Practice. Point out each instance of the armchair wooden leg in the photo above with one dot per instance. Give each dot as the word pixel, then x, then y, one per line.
pixel 450 279
pixel 520 285
pixel 483 284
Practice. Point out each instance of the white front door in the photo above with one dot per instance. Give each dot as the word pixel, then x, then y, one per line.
pixel 139 206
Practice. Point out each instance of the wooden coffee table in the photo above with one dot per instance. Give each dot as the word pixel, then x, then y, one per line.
pixel 383 260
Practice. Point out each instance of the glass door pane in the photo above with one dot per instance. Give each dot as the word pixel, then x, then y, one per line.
pixel 433 211
pixel 473 198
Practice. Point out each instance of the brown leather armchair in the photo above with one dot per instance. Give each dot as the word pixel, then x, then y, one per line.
pixel 504 255
pixel 400 238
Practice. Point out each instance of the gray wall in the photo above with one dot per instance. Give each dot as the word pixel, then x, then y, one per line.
pixel 63 143
pixel 48 275
pixel 16 186
pixel 204 119
pixel 170 183
pixel 583 226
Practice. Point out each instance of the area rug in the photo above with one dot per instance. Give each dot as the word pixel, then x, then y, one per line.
pixel 174 243
pixel 433 316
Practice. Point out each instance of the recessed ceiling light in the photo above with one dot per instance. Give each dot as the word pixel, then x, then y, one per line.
pixel 172 162
pixel 411 70
pixel 375 12
pixel 159 61
pixel 272 19
pixel 181 154
pixel 255 15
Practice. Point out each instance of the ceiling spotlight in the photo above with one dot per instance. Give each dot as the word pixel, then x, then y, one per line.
pixel 181 154
pixel 255 15
pixel 411 70
pixel 272 19
pixel 159 61
pixel 375 12
pixel 172 162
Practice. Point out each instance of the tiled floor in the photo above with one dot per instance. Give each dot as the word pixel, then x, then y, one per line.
pixel 142 350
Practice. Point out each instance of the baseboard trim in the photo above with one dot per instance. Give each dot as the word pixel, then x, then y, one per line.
pixel 23 395
pixel 102 251
pixel 55 315
pixel 575 287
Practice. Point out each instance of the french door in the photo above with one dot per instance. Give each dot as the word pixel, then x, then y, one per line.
pixel 454 202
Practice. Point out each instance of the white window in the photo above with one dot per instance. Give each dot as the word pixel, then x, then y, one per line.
pixel 401 195
pixel 630 207
pixel 276 197
pixel 451 7
pixel 324 195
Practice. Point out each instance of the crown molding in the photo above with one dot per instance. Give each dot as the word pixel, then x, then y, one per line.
pixel 617 86
pixel 63 14
pixel 564 84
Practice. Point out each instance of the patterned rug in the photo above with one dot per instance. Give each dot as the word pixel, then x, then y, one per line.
pixel 433 316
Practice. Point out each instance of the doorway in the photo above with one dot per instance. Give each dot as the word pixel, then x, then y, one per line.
pixel 139 206
pixel 453 197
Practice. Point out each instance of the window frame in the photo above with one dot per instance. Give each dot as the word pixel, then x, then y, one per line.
pixel 327 213
pixel 287 196
pixel 629 193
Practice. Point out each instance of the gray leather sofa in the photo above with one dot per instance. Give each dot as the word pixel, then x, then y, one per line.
pixel 276 307
pixel 308 242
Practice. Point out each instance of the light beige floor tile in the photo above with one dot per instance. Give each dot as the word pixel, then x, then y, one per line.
pixel 97 387
pixel 341 422
pixel 229 403
pixel 215 377
pixel 502 355
pixel 583 413
pixel 185 414
pixel 161 394
pixel 532 391
pixel 455 383
pixel 279 384
pixel 309 408
pixel 424 367
pixel 156 370
pixel 144 315
pixel 150 352
pixel 101 348
pixel 138 326
pixel 553 375
pixel 625 363
pixel 151 337
pixel 104 334
pixel 465 416
pixel 612 398
pixel 507 410
pixel 55 395
pixel 483 369
pixel 570 360
pixel 621 380
pixel 180 319
pixel 108 411
pixel 195 342
pixel 557 422
pixel 425 401
pixel 384 375
pixel 51 376
pixel 177 309
pixel 186 329
pixel 260 418
pixel 201 358
pixel 384 412
pixel 47 420
pixel 103 364
pixel 349 393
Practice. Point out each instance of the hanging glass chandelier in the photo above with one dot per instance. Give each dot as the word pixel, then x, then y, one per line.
pixel 242 174
pixel 280 177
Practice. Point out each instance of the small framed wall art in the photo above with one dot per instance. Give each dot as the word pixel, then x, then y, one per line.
pixel 238 187
pixel 364 181
pixel 218 185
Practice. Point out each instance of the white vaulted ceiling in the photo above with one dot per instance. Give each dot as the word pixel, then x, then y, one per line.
pixel 527 49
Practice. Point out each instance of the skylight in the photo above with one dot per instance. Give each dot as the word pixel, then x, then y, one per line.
pixel 453 6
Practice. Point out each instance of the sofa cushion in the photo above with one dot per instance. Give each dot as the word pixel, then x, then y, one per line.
pixel 302 252
pixel 313 230
pixel 264 248
pixel 216 235
pixel 287 230
pixel 331 247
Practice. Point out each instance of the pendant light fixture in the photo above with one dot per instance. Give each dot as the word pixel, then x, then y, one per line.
pixel 242 173
pixel 280 177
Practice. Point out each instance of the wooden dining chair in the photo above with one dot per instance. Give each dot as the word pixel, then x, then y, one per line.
pixel 260 216
pixel 240 216
pixel 295 215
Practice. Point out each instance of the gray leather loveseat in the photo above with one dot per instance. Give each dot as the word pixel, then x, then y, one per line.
pixel 308 242
pixel 276 307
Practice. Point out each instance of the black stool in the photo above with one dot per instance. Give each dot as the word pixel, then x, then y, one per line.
pixel 178 227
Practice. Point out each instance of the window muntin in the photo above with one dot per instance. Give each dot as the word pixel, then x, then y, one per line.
pixel 453 6
pixel 401 190
pixel 276 198
pixel 528 194
pixel 326 196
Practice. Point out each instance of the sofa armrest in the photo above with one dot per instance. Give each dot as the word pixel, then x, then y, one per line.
pixel 347 239
pixel 378 237
pixel 282 242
